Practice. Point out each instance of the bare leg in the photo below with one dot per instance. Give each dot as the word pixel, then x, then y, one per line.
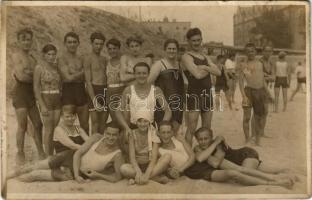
pixel 127 171
pixel 226 175
pixel 102 117
pixel 176 127
pixel 192 125
pixel 48 121
pixel 37 124
pixel 94 122
pixel 206 119
pixel 246 121
pixel 56 117
pixel 37 175
pixel 83 116
pixel 257 124
pixel 228 98
pixel 21 116
pixel 161 165
pixel 295 92
pixel 276 93
pixel 284 98
pixel 42 164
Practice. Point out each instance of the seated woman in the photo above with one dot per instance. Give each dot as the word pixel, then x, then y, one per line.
pixel 67 135
pixel 92 160
pixel 143 152
pixel 180 152
pixel 216 161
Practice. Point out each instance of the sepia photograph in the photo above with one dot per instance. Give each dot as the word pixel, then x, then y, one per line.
pixel 155 99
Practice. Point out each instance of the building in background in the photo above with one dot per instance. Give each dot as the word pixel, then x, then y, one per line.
pixel 171 29
pixel 248 21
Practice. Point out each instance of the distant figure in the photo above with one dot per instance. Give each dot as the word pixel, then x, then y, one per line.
pixel 151 56
pixel 301 79
pixel 282 80
pixel 230 66
pixel 96 80
pixel 23 97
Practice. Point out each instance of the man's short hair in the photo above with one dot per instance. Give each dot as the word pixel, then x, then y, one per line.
pixel 165 123
pixel 24 31
pixel 134 39
pixel 97 35
pixel 113 42
pixel 141 64
pixel 192 32
pixel 73 35
pixel 250 44
pixel 203 129
pixel 49 47
pixel 149 55
pixel 113 124
pixel 71 109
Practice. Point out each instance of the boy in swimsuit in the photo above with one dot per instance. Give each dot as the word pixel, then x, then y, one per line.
pixel 23 95
pixel 91 161
pixel 230 66
pixel 73 89
pixel 216 161
pixel 180 152
pixel 96 80
pixel 255 94
pixel 143 152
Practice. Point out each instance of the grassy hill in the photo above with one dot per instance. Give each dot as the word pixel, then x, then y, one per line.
pixel 50 24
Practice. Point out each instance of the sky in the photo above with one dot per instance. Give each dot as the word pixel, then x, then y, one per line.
pixel 216 22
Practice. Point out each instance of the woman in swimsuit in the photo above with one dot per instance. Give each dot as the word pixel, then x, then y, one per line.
pixel 47 88
pixel 167 75
pixel 128 61
pixel 67 135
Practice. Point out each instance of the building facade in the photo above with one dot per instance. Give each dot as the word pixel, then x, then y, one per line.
pixel 245 24
pixel 172 29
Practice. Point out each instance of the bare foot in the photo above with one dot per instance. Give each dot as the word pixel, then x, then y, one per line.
pixel 287 183
pixel 131 182
pixel 20 158
pixel 162 179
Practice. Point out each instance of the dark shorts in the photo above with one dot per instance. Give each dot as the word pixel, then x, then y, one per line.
pixel 74 94
pixel 281 82
pixel 114 97
pixel 23 95
pixel 199 100
pixel 301 80
pixel 52 101
pixel 176 110
pixel 64 159
pixel 143 167
pixel 100 98
pixel 258 99
pixel 200 171
pixel 237 156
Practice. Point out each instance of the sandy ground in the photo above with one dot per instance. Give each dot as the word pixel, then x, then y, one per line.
pixel 286 148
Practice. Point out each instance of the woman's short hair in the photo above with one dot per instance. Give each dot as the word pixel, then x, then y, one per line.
pixel 113 42
pixel 192 32
pixel 169 41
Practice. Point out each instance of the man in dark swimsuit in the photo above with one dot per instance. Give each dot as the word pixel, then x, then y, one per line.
pixel 71 69
pixel 23 95
pixel 197 68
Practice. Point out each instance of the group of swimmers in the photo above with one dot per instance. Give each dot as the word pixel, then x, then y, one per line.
pixel 146 101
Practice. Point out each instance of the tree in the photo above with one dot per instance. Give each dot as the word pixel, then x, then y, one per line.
pixel 274 26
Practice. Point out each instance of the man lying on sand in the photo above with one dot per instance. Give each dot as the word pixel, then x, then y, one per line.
pixel 91 161
pixel 216 161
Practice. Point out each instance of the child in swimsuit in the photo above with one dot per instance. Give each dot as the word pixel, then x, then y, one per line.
pixel 143 151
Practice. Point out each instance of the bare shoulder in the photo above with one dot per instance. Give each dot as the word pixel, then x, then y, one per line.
pixel 127 90
pixel 158 90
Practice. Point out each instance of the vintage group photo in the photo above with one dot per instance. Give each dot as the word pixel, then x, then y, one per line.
pixel 155 100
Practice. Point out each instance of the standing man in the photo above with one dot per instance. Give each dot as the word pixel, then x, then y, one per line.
pixel 73 90
pixel 255 94
pixel 95 73
pixel 197 69
pixel 268 65
pixel 23 95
